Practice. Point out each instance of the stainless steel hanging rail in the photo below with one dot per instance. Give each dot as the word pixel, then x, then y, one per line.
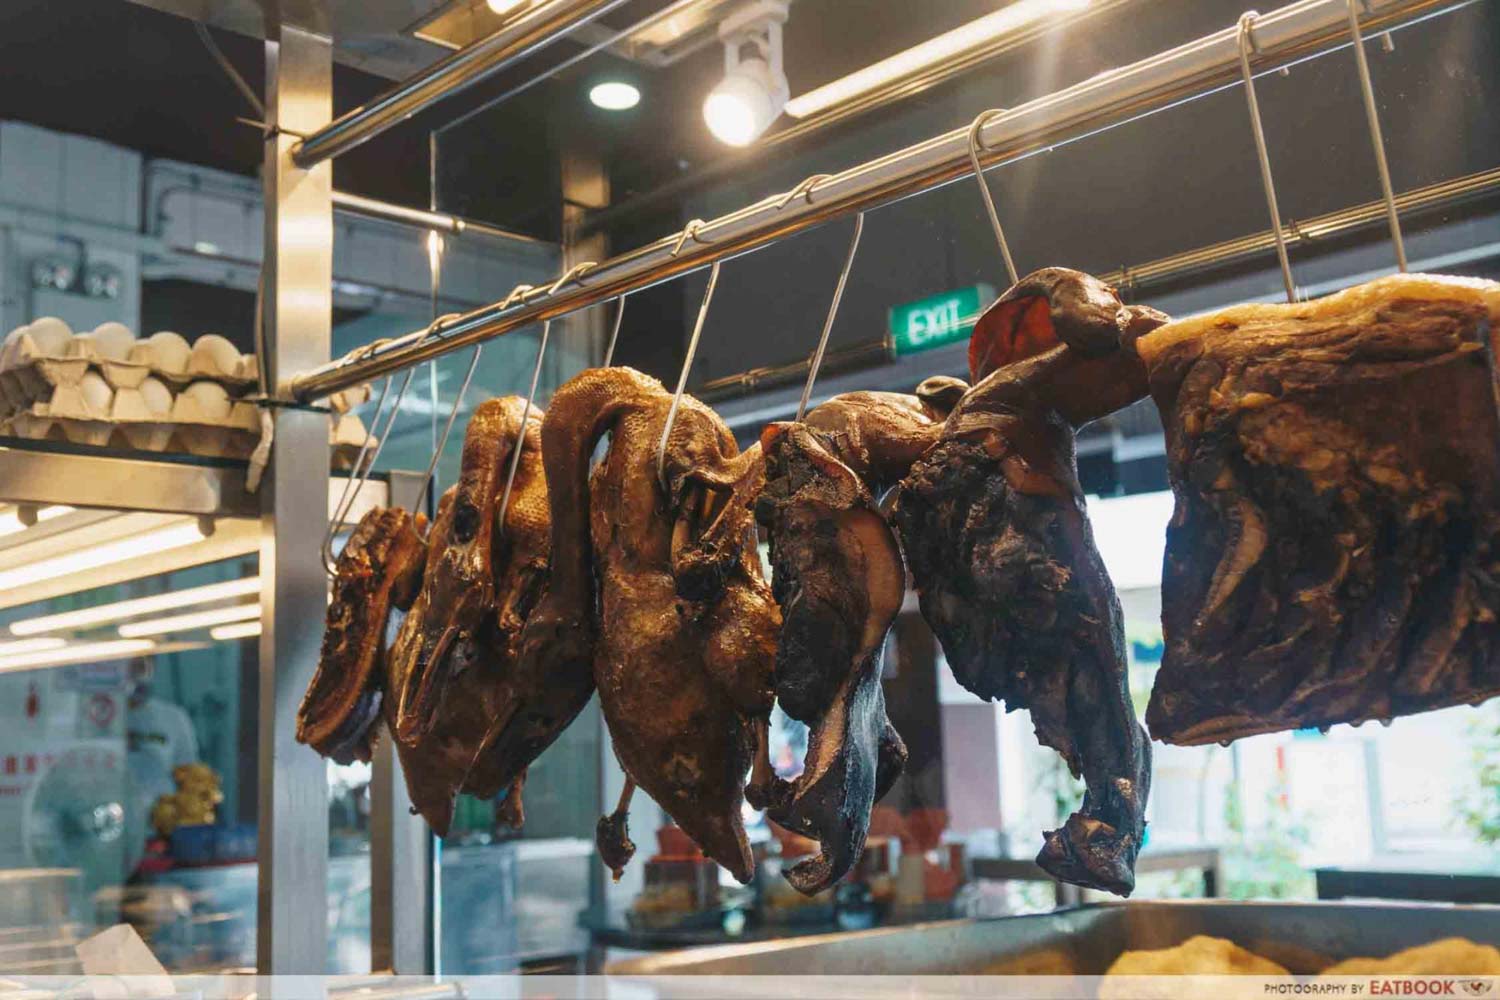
pixel 440 222
pixel 518 39
pixel 1132 278
pixel 1288 33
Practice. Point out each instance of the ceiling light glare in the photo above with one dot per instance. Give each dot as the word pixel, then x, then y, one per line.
pixel 91 652
pixel 10 520
pixel 503 6
pixel 242 630
pixel 107 554
pixel 38 645
pixel 941 49
pixel 105 614
pixel 615 95
pixel 189 622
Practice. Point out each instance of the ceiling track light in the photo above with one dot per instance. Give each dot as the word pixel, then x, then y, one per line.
pixel 754 89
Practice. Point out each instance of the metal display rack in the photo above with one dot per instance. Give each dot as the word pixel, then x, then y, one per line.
pixel 301 137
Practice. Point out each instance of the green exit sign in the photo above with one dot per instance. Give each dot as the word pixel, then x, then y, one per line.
pixel 941 319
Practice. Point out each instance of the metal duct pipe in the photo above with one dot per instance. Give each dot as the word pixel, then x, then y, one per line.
pixel 1198 67
pixel 530 31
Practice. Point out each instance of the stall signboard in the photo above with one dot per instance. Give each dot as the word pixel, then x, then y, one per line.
pixel 938 320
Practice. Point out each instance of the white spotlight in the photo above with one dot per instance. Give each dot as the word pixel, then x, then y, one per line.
pixel 754 89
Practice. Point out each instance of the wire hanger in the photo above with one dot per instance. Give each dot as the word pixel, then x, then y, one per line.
pixel 1377 140
pixel 573 274
pixel 614 334
pixel 1246 46
pixel 687 365
pixel 976 143
pixel 833 310
pixel 362 470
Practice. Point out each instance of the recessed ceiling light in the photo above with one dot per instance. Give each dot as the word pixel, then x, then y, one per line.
pixel 615 95
pixel 503 6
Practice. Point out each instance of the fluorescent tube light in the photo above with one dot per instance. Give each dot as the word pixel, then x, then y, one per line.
pixel 31 645
pixel 105 614
pixel 188 622
pixel 149 542
pixel 944 47
pixel 242 630
pixel 90 652
pixel 10 520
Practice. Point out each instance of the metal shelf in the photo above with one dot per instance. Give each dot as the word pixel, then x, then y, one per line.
pixel 45 472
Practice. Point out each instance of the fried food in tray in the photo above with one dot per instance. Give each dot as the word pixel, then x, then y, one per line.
pixel 680 635
pixel 1199 955
pixel 1335 549
pixel 839 580
pixel 1448 957
pixel 993 523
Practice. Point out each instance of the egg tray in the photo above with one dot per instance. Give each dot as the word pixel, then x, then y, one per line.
pixel 38 358
pixel 129 421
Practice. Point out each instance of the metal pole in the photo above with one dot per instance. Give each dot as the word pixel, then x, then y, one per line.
pixel 528 32
pixel 438 221
pixel 292 926
pixel 1290 32
pixel 401 899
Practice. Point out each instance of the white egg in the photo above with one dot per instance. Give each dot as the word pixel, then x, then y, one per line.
pixel 169 351
pixel 112 341
pixel 157 396
pixel 210 398
pixel 51 336
pixel 97 394
pixel 214 355
pixel 12 345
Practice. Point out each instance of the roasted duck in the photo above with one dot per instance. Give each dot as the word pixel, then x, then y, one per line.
pixel 1334 555
pixel 839 580
pixel 685 640
pixel 992 521
pixel 469 589
pixel 380 569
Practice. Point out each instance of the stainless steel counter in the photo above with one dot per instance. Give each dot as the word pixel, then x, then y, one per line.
pixel 1303 937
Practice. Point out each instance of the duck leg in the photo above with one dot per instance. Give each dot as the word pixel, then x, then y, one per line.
pixel 613 833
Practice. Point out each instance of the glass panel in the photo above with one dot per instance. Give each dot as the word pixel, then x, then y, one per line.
pixel 978 785
pixel 128 775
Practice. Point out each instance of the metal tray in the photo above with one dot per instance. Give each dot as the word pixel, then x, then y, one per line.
pixel 1083 941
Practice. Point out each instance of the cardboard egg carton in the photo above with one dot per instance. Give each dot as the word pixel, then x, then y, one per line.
pixel 37 359
pixel 201 420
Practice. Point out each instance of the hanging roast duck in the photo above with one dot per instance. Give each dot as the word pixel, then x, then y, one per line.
pixel 992 521
pixel 681 634
pixel 839 580
pixel 469 590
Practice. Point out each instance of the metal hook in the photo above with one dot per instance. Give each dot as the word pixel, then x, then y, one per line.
pixel 804 189
pixel 689 231
pixel 442 443
pixel 520 445
pixel 614 335
pixel 362 470
pixel 1246 45
pixel 687 364
pixel 1377 140
pixel 574 273
pixel 833 310
pixel 975 143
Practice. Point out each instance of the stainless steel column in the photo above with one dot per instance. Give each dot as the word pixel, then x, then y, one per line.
pixel 401 899
pixel 292 930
